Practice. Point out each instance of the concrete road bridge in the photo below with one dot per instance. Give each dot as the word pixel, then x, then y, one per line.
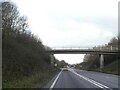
pixel 100 51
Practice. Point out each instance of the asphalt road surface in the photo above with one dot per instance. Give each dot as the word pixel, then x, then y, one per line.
pixel 76 78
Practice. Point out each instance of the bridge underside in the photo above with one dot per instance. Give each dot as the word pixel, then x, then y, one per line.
pixel 81 52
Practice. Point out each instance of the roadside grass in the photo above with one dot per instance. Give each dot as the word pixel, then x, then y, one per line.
pixel 39 79
pixel 112 68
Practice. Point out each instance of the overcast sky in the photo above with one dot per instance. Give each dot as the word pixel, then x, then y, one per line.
pixel 71 23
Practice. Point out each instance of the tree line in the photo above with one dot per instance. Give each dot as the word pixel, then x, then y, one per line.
pixel 23 53
pixel 92 61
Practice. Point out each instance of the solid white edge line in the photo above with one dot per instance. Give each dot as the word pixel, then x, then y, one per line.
pixel 53 84
pixel 92 81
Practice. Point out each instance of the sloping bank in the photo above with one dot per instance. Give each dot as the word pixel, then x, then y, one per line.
pixel 25 61
pixel 112 68
pixel 37 80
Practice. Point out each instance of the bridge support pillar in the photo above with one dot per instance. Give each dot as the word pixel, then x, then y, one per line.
pixel 101 62
pixel 52 59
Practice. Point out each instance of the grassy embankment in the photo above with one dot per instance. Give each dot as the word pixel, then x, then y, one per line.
pixel 112 68
pixel 36 80
pixel 25 62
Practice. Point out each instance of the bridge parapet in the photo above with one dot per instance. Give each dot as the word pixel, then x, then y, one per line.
pixel 90 48
pixel 82 51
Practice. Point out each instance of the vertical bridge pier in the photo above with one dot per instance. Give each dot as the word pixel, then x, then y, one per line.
pixel 52 59
pixel 101 61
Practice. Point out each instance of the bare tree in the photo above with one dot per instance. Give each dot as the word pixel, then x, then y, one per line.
pixel 11 19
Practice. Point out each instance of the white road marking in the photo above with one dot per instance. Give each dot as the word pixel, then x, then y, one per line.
pixel 53 84
pixel 93 82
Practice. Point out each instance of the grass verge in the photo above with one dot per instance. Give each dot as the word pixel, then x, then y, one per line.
pixel 36 80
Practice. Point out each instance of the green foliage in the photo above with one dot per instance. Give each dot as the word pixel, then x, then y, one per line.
pixel 29 82
pixel 61 63
pixel 23 54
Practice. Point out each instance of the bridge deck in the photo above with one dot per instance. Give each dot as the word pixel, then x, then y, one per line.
pixel 82 51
